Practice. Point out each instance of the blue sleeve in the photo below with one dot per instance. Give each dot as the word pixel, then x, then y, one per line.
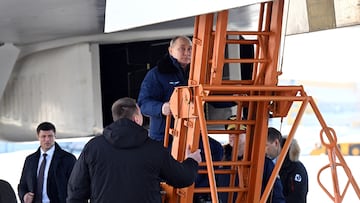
pixel 278 195
pixel 217 150
pixel 150 95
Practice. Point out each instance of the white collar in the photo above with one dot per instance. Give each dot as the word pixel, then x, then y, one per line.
pixel 49 152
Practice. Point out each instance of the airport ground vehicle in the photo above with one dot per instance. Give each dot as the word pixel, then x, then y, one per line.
pixel 260 95
pixel 346 148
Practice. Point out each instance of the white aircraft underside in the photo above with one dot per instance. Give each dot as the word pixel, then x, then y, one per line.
pixel 49 51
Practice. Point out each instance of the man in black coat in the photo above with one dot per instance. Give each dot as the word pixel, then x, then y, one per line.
pixel 126 165
pixel 293 175
pixel 7 194
pixel 276 195
pixel 57 170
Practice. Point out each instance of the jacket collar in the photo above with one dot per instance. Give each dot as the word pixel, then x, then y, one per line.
pixel 169 64
pixel 125 133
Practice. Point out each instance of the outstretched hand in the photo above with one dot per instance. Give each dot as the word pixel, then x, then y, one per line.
pixel 194 155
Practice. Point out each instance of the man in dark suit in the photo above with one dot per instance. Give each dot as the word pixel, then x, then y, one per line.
pixel 46 172
pixel 7 194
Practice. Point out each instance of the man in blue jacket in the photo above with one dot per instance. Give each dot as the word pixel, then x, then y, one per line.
pixel 157 87
pixel 159 83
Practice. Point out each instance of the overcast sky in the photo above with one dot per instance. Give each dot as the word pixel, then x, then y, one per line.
pixel 331 55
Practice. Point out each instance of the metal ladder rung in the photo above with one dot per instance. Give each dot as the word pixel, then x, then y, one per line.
pixel 242 41
pixel 221 189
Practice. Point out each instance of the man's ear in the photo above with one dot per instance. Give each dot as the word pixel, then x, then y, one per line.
pixel 277 142
pixel 136 119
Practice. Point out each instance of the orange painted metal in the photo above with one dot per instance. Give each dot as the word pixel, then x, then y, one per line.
pixel 336 160
pixel 261 96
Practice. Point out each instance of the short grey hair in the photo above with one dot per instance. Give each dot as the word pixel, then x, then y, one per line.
pixel 173 40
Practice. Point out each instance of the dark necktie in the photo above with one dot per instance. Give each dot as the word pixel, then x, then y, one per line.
pixel 40 179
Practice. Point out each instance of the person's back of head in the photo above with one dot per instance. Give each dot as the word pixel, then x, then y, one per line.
pixel 294 149
pixel 123 108
pixel 127 107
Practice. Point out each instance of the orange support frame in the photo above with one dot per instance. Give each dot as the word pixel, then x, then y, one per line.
pixel 261 96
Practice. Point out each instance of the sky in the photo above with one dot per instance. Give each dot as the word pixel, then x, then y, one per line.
pixel 330 55
pixel 326 64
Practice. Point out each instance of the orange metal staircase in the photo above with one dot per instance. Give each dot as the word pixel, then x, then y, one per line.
pixel 260 95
